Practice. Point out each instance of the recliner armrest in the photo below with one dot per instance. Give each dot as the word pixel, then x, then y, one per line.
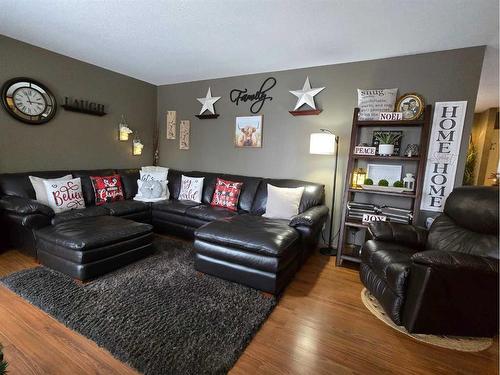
pixel 24 206
pixel 310 217
pixel 405 234
pixel 453 260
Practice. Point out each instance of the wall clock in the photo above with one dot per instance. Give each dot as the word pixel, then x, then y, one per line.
pixel 28 101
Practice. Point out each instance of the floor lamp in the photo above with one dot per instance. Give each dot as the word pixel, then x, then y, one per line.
pixel 326 143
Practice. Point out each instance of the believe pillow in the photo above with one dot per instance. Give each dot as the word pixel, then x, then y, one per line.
pixel 39 187
pixel 283 203
pixel 64 195
pixel 227 194
pixel 107 189
pixel 191 189
pixel 372 102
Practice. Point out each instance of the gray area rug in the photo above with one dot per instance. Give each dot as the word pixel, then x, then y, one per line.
pixel 158 315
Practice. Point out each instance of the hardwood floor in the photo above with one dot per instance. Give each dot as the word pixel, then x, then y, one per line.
pixel 320 326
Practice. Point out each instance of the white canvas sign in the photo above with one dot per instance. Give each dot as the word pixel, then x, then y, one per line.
pixel 442 157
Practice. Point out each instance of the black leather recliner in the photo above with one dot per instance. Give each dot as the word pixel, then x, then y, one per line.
pixel 442 281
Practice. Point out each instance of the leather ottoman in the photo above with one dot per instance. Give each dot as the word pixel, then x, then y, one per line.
pixel 249 249
pixel 90 247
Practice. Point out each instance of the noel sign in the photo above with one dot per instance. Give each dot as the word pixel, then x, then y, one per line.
pixel 442 157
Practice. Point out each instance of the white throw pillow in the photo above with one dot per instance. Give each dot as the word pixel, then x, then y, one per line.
pixel 283 203
pixel 152 176
pixel 372 102
pixel 65 195
pixel 39 187
pixel 157 192
pixel 191 189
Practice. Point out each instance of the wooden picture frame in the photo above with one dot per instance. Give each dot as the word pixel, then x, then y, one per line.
pixel 411 105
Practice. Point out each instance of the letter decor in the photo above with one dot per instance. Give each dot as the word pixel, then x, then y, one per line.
pixel 444 147
pixel 258 99
pixel 83 106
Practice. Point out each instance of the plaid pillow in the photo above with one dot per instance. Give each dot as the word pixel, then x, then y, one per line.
pixel 227 194
pixel 107 189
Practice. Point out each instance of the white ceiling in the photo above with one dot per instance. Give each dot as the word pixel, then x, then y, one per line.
pixel 174 41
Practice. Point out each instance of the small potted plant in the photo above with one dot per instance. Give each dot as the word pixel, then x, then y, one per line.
pixel 386 142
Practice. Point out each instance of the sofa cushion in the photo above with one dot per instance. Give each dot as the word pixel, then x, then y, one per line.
pixel 209 213
pixel 174 206
pixel 248 190
pixel 120 208
pixel 390 261
pixel 91 211
pixel 208 184
pixel 174 182
pixel 252 233
pixel 129 181
pixel 314 194
pixel 87 188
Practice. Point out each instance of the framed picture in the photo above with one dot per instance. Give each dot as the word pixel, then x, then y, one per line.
pixel 377 172
pixel 171 120
pixel 248 131
pixel 411 106
pixel 184 133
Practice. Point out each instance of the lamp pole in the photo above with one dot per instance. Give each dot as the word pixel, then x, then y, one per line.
pixel 330 250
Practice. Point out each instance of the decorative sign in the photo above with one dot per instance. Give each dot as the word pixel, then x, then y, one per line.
pixel 171 121
pixel 390 116
pixel 370 218
pixel 442 157
pixel 365 150
pixel 83 106
pixel 258 99
pixel 184 133
pixel 372 102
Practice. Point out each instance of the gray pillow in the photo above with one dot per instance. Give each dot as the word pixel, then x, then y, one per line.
pixel 151 189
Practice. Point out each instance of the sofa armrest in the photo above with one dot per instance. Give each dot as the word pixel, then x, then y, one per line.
pixel 24 206
pixel 404 234
pixel 311 217
pixel 452 260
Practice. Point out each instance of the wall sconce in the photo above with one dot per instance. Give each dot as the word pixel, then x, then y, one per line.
pixel 358 177
pixel 124 130
pixel 137 147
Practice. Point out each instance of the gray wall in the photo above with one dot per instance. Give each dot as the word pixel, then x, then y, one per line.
pixel 74 140
pixel 440 76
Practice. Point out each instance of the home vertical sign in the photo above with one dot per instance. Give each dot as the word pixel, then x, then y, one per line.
pixel 442 157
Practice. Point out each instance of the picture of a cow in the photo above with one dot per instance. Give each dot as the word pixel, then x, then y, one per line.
pixel 248 131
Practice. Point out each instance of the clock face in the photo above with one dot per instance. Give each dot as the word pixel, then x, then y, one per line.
pixel 28 101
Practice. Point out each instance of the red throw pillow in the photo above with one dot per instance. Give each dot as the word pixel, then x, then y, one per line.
pixel 107 189
pixel 227 194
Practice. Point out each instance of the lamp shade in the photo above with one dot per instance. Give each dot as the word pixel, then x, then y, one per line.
pixel 322 144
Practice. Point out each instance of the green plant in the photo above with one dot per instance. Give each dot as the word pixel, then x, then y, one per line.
pixel 368 181
pixel 3 364
pixel 398 184
pixel 470 163
pixel 386 138
pixel 383 183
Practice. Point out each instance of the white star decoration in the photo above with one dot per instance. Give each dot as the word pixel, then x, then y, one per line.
pixel 306 95
pixel 208 102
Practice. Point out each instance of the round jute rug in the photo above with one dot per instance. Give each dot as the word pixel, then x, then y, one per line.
pixel 463 344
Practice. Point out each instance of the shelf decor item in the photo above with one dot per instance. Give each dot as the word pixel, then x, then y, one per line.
pixel 411 150
pixel 372 102
pixel 358 177
pixel 248 132
pixel 123 130
pixel 327 143
pixel 409 182
pixel 398 134
pixel 363 149
pixel 388 172
pixel 306 97
pixel 411 105
pixel 386 142
pixel 137 146
pixel 208 105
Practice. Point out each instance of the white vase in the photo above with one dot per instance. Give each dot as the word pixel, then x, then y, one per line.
pixel 385 150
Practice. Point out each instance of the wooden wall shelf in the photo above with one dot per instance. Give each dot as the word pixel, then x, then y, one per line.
pixel 205 117
pixel 347 251
pixel 306 112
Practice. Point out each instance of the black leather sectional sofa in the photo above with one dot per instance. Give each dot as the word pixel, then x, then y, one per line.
pixel 241 246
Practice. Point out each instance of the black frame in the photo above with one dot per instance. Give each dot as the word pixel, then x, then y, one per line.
pixel 12 81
